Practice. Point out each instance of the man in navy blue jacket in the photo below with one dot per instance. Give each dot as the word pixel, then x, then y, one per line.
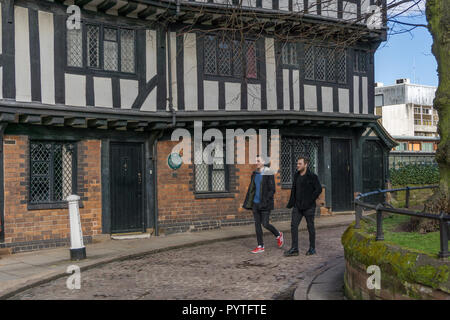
pixel 259 199
pixel 306 188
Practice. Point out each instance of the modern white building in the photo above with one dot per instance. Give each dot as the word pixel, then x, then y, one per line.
pixel 409 117
pixel 407 109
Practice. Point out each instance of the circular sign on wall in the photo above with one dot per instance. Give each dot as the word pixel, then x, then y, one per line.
pixel 175 161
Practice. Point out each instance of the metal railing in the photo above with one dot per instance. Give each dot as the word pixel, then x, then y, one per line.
pixel 444 218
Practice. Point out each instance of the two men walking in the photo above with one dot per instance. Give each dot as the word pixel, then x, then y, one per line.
pixel 306 188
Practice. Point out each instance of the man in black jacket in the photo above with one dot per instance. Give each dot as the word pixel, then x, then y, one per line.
pixel 259 198
pixel 306 188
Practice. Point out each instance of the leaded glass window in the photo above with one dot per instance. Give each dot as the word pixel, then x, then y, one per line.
pixel 211 177
pixel 52 171
pixel 224 57
pixel 291 149
pixel 325 64
pixel 127 50
pixel 309 63
pixel 110 50
pixel 105 48
pixel 93 40
pixel 341 66
pixel 360 61
pixel 289 54
pixel 74 43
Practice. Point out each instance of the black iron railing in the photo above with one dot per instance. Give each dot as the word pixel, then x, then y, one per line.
pixel 444 218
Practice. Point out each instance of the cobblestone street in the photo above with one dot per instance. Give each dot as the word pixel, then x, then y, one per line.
pixel 222 270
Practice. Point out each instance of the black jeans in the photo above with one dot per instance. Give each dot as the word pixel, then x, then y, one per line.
pixel 297 216
pixel 262 216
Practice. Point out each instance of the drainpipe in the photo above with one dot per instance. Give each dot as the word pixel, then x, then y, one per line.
pixel 169 71
pixel 153 158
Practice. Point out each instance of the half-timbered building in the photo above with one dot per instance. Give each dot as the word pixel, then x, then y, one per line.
pixel 90 110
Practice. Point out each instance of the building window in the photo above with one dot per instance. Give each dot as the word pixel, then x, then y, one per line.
pixel 105 48
pixel 210 178
pixel 427 147
pixel 360 62
pixel 223 57
pixel 325 64
pixel 291 149
pixel 289 54
pixel 52 171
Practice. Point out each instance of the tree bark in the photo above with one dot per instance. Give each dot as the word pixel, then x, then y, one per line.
pixel 438 16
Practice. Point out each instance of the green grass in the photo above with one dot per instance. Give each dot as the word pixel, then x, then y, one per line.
pixel 426 243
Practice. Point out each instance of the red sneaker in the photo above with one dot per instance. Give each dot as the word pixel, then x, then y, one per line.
pixel 258 250
pixel 280 240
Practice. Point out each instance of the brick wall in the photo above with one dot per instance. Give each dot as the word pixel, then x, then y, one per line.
pixel 179 210
pixel 34 229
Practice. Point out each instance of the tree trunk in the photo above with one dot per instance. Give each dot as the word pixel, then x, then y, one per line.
pixel 438 16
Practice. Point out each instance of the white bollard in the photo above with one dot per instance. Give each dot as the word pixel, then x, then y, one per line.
pixel 77 248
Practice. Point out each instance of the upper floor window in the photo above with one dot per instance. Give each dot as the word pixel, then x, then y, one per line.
pixel 325 64
pixel 289 54
pixel 360 62
pixel 230 58
pixel 102 48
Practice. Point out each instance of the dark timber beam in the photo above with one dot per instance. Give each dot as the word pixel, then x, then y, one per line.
pixel 75 122
pixel 28 118
pixel 344 124
pixel 331 124
pixel 7 117
pixel 106 5
pixel 203 18
pixel 146 12
pixel 114 124
pixel 356 124
pixel 96 123
pixel 292 122
pixel 127 9
pixel 82 3
pixel 53 121
pixel 137 125
pixel 157 126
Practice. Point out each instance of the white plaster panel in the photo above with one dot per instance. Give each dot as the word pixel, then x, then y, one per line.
pixel 190 72
pixel 22 54
pixel 254 97
pixel 355 94
pixel 128 92
pixel 298 5
pixel 211 95
pixel 327 99
pixel 286 85
pixel 150 102
pixel 365 95
pixel 232 96
pixel 271 75
pixel 75 90
pixel 344 100
pixel 46 47
pixel 150 47
pixel 349 10
pixel 103 94
pixel 296 87
pixel 283 5
pixel 310 97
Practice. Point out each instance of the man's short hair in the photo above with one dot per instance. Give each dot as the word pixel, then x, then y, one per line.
pixel 305 159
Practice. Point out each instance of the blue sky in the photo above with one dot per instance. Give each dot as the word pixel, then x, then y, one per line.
pixel 407 55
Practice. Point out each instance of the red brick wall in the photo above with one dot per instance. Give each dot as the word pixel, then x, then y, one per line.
pixel 178 207
pixel 23 225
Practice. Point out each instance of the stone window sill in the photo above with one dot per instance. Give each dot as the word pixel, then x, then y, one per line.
pixel 214 195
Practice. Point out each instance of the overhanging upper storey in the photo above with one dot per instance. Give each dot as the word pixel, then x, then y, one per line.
pixel 364 18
